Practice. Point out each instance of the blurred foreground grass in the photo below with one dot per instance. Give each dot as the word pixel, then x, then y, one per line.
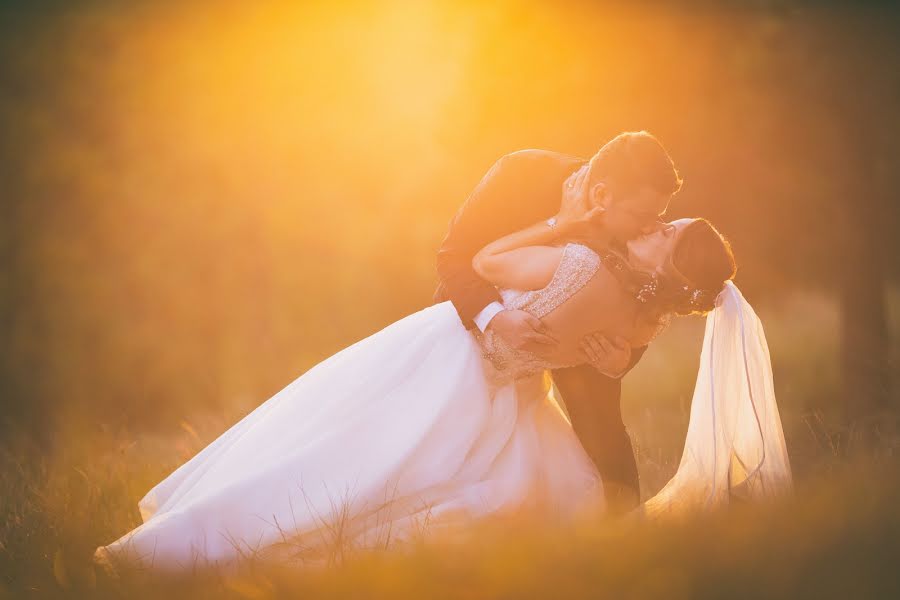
pixel 839 537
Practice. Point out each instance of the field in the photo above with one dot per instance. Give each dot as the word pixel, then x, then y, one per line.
pixel 837 538
pixel 202 200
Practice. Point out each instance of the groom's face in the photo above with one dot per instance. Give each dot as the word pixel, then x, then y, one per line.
pixel 632 213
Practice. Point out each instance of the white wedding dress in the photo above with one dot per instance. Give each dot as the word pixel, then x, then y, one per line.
pixel 421 425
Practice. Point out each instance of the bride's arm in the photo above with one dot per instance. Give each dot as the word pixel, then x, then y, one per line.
pixel 526 260
pixel 523 260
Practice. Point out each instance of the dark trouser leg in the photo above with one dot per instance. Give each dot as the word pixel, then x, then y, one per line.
pixel 593 403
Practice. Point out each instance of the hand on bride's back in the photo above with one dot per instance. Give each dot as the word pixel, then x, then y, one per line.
pixel 610 357
pixel 523 331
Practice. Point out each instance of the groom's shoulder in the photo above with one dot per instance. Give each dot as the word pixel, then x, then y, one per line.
pixel 537 155
pixel 536 162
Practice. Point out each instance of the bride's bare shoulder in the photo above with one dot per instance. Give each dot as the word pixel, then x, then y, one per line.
pixel 605 282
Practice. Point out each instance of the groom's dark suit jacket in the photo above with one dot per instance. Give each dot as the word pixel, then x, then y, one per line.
pixel 519 190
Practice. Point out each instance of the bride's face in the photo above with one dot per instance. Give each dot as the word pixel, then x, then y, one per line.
pixel 650 252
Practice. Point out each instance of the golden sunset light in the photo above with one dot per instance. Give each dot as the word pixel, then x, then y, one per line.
pixel 245 242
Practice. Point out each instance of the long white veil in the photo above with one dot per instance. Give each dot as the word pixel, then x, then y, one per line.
pixel 735 444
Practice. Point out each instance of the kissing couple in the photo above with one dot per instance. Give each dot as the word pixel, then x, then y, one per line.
pixel 555 275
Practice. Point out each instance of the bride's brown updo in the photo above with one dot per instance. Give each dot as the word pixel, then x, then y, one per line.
pixel 704 258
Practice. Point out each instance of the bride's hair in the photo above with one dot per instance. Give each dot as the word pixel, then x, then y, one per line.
pixel 703 261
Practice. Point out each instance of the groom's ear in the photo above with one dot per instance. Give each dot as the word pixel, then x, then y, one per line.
pixel 599 194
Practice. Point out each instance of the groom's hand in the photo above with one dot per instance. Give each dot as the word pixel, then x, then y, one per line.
pixel 523 331
pixel 610 357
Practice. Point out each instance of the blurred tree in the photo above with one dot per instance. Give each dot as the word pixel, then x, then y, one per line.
pixel 843 65
pixel 865 89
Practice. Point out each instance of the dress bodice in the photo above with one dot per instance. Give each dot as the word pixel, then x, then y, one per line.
pixel 578 264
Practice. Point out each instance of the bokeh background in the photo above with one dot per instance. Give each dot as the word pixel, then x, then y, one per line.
pixel 201 200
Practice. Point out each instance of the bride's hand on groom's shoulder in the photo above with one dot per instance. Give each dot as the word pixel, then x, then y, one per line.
pixel 608 356
pixel 523 331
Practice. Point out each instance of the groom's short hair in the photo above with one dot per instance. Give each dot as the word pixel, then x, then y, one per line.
pixel 634 159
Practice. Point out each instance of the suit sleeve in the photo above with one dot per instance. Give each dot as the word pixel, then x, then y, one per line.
pixel 480 220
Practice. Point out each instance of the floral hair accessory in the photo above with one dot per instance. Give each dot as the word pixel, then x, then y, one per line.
pixel 648 291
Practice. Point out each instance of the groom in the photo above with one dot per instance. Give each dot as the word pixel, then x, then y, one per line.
pixel 632 178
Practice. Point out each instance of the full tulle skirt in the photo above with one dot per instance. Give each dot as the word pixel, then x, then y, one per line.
pixel 404 430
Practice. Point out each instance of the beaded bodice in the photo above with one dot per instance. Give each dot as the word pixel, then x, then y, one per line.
pixel 578 264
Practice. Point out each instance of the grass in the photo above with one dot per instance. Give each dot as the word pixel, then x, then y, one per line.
pixel 838 537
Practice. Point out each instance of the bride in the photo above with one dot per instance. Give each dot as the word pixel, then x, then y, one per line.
pixel 425 424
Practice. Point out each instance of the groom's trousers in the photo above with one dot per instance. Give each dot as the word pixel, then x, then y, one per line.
pixel 520 189
pixel 593 403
